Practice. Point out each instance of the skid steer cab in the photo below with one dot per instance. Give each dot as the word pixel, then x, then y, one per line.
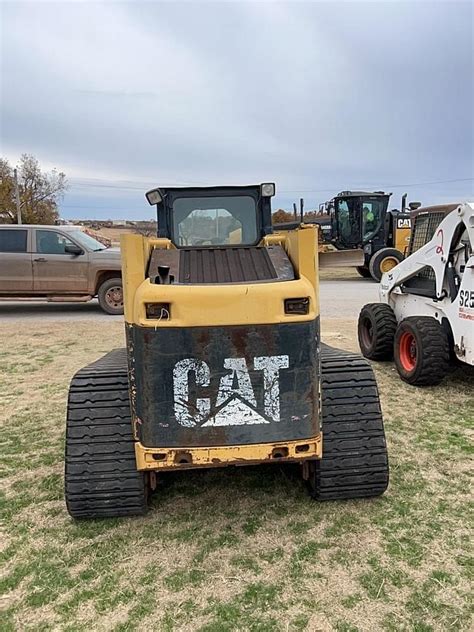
pixel 223 364
pixel 425 318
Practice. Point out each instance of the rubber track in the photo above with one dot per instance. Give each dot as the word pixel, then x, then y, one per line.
pixel 385 326
pixel 101 479
pixel 355 461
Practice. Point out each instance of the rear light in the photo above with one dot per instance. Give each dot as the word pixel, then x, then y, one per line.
pixel 297 305
pixel 158 311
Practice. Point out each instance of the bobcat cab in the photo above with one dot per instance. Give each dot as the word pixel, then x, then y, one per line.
pixel 361 219
pixel 223 364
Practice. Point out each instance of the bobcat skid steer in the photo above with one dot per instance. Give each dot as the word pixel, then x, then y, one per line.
pixel 426 315
pixel 223 364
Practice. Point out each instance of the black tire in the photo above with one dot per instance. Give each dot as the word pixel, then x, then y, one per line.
pixel 101 479
pixel 421 351
pixel 110 295
pixel 355 460
pixel 382 259
pixel 376 331
pixel 364 272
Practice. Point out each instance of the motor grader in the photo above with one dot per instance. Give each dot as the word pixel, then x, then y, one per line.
pixel 362 219
pixel 425 317
pixel 223 364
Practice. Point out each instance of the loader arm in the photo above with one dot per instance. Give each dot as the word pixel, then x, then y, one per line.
pixel 434 254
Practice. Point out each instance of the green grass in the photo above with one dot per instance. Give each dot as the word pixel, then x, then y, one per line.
pixel 241 549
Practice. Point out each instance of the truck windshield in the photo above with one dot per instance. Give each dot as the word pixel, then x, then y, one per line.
pixel 86 240
pixel 215 221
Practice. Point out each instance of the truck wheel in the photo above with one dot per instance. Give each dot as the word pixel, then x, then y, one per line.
pixel 355 460
pixel 421 351
pixel 364 272
pixel 376 331
pixel 110 296
pixel 383 261
pixel 101 477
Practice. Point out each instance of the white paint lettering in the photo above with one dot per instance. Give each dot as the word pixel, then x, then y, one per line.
pixel 235 404
pixel 271 365
pixel 235 383
pixel 182 407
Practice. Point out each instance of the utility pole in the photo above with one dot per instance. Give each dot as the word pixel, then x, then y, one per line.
pixel 17 197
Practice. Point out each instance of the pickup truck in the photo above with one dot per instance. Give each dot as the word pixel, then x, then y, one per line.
pixel 58 263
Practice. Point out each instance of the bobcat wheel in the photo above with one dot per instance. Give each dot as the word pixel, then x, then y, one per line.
pixel 376 331
pixel 421 351
pixel 101 479
pixel 355 460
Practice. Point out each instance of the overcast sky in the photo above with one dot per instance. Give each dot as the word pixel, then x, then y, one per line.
pixel 315 96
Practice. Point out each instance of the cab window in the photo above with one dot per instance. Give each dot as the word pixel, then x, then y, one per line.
pixel 13 240
pixel 214 221
pixel 49 242
pixel 372 216
pixel 345 221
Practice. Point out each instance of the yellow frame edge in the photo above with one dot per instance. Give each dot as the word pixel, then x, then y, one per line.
pixel 220 456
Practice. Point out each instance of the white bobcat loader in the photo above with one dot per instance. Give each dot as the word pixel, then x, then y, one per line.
pixel 425 318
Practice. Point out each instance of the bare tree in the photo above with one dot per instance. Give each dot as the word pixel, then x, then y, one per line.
pixel 40 192
pixel 281 216
pixel 146 228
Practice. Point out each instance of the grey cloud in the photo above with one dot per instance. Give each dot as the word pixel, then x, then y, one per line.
pixel 313 95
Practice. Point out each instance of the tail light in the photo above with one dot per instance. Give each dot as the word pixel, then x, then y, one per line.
pixel 158 311
pixel 297 305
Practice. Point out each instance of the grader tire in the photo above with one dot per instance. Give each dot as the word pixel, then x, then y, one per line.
pixel 101 479
pixel 383 261
pixel 364 272
pixel 355 460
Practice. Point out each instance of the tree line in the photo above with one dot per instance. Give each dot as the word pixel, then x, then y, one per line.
pixel 39 191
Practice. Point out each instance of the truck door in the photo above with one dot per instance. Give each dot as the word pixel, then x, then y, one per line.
pixel 16 270
pixel 54 269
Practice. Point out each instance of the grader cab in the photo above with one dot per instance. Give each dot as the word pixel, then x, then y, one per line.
pixel 223 364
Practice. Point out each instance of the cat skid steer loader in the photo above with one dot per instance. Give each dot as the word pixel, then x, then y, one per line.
pixel 425 317
pixel 223 364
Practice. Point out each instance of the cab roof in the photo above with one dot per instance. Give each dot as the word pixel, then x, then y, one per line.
pixel 361 193
pixel 445 209
pixel 204 189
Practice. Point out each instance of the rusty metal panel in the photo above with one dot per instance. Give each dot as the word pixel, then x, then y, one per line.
pixel 218 386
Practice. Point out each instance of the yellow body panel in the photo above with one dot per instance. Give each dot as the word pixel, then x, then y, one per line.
pixel 402 239
pixel 169 458
pixel 230 304
pixel 207 305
